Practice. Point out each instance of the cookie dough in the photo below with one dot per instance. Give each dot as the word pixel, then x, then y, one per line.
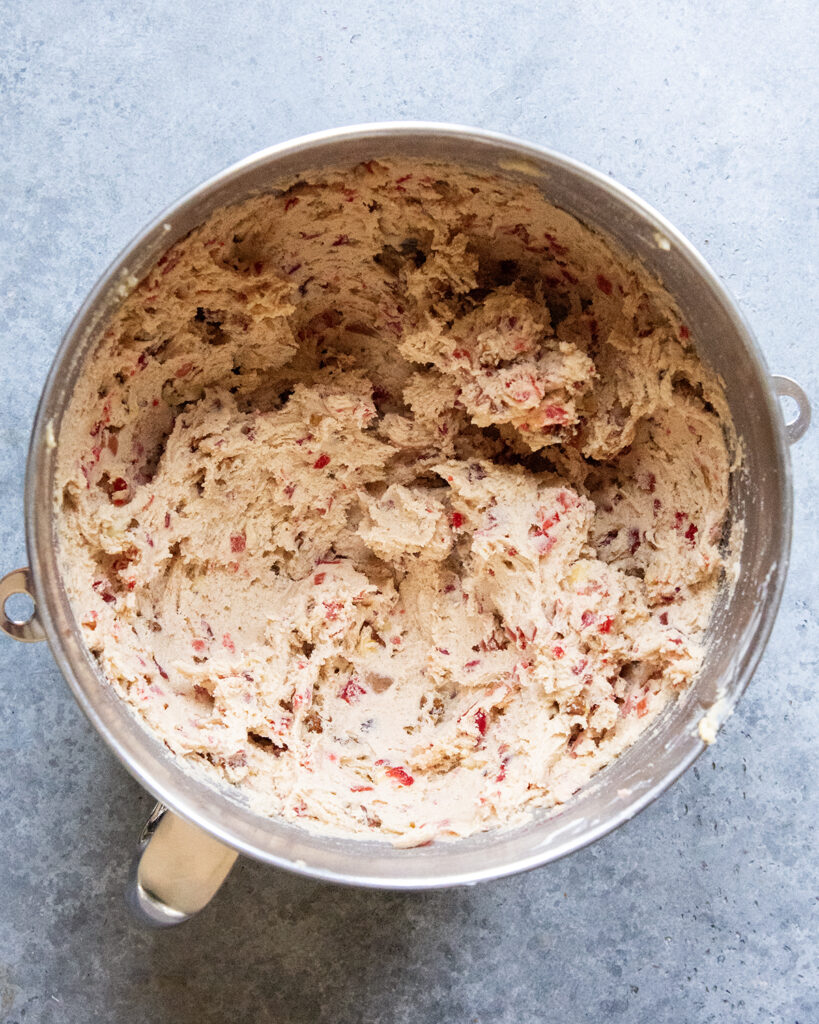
pixel 397 498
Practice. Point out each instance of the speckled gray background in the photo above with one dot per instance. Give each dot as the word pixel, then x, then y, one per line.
pixel 704 907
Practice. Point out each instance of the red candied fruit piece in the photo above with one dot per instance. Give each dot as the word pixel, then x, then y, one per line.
pixel 184 370
pixel 103 591
pixel 690 534
pixel 587 618
pixel 558 652
pixel 548 522
pixel 351 692
pixel 321 462
pixel 606 625
pixel 561 250
pixel 633 541
pixel 457 520
pixel 238 542
pixel 198 645
pixel 319 578
pixel 684 332
pixel 604 284
pixel 118 487
pixel 564 499
pixel 401 776
pixel 480 721
pixel 291 202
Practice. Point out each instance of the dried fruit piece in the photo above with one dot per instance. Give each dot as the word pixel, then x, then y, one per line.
pixel 121 489
pixel 352 692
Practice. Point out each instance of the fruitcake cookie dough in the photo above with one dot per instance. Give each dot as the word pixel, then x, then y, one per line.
pixel 396 498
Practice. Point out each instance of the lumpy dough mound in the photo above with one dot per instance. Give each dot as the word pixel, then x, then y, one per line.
pixel 397 499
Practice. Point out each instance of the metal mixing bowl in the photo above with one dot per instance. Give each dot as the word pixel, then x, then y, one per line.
pixel 163 888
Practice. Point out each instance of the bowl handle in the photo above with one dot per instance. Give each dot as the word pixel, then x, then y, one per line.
pixel 177 870
pixel 785 387
pixel 29 630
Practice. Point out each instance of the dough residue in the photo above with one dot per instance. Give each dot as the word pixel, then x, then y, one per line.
pixel 397 498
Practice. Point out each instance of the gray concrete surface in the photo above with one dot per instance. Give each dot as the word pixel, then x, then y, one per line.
pixel 704 907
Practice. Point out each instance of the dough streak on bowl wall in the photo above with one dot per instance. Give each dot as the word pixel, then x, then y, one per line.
pixel 397 498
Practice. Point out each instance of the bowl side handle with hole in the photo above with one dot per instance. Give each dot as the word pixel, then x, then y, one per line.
pixel 30 630
pixel 786 387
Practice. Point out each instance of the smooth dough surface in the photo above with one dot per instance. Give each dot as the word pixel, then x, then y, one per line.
pixel 396 498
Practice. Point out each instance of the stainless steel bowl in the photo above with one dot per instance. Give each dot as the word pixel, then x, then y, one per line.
pixel 163 888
